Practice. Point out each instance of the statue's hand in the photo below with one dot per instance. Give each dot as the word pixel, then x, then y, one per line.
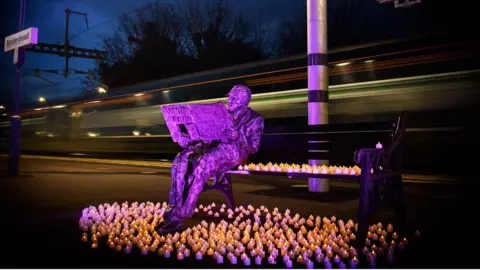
pixel 184 141
pixel 231 134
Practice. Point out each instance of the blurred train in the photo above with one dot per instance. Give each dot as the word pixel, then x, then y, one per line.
pixel 438 84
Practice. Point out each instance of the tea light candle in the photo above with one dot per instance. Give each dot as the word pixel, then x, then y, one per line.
pixel 219 259
pixel 309 264
pixel 271 260
pixel 336 259
pixel 198 255
pixel 327 264
pixel 167 253
pixel 378 145
pixel 258 260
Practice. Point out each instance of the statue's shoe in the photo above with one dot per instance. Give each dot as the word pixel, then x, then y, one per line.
pixel 170 226
pixel 167 214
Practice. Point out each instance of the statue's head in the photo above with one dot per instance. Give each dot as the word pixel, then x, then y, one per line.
pixel 238 98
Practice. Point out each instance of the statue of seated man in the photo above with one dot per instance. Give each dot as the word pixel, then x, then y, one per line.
pixel 200 161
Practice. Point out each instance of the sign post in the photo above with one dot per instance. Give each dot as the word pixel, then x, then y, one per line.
pixel 17 42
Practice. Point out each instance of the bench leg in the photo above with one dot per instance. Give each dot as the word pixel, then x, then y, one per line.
pixel 225 186
pixel 363 210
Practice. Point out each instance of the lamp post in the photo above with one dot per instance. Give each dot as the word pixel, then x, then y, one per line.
pixel 317 80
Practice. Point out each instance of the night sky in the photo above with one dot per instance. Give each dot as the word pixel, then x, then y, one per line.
pixel 49 17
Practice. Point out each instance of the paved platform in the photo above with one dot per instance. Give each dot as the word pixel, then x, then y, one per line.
pixel 42 206
pixel 408 178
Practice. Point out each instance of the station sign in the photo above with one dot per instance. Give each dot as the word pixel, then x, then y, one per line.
pixel 21 39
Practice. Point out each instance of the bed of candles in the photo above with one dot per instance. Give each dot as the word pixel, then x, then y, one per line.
pixel 246 235
pixel 304 168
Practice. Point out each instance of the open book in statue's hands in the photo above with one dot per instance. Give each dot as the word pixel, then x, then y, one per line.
pixel 198 122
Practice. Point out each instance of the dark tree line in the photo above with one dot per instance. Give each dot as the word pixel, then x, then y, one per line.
pixel 362 21
pixel 161 40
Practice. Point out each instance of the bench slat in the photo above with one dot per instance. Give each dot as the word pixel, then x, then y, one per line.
pixel 298 175
pixel 332 128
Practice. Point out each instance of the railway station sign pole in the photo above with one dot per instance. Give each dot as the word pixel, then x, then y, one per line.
pixel 17 43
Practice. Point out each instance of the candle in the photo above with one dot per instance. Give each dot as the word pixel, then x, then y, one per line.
pixel 246 261
pixel 271 260
pixel 309 264
pixel 418 234
pixel 288 264
pixel 219 259
pixel 341 265
pixel 198 256
pixel 378 145
pixel 336 259
pixel 258 260
pixel 179 256
pixel 327 264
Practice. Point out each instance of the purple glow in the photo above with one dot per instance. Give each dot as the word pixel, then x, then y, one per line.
pixel 209 155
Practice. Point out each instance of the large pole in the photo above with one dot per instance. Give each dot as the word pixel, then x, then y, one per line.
pixel 67 43
pixel 317 80
pixel 15 120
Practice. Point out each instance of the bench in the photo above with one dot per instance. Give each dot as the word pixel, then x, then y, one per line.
pixel 379 188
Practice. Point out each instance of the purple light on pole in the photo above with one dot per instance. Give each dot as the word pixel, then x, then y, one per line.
pixel 15 120
pixel 317 83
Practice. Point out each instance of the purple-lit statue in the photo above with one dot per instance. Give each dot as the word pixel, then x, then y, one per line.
pixel 201 160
